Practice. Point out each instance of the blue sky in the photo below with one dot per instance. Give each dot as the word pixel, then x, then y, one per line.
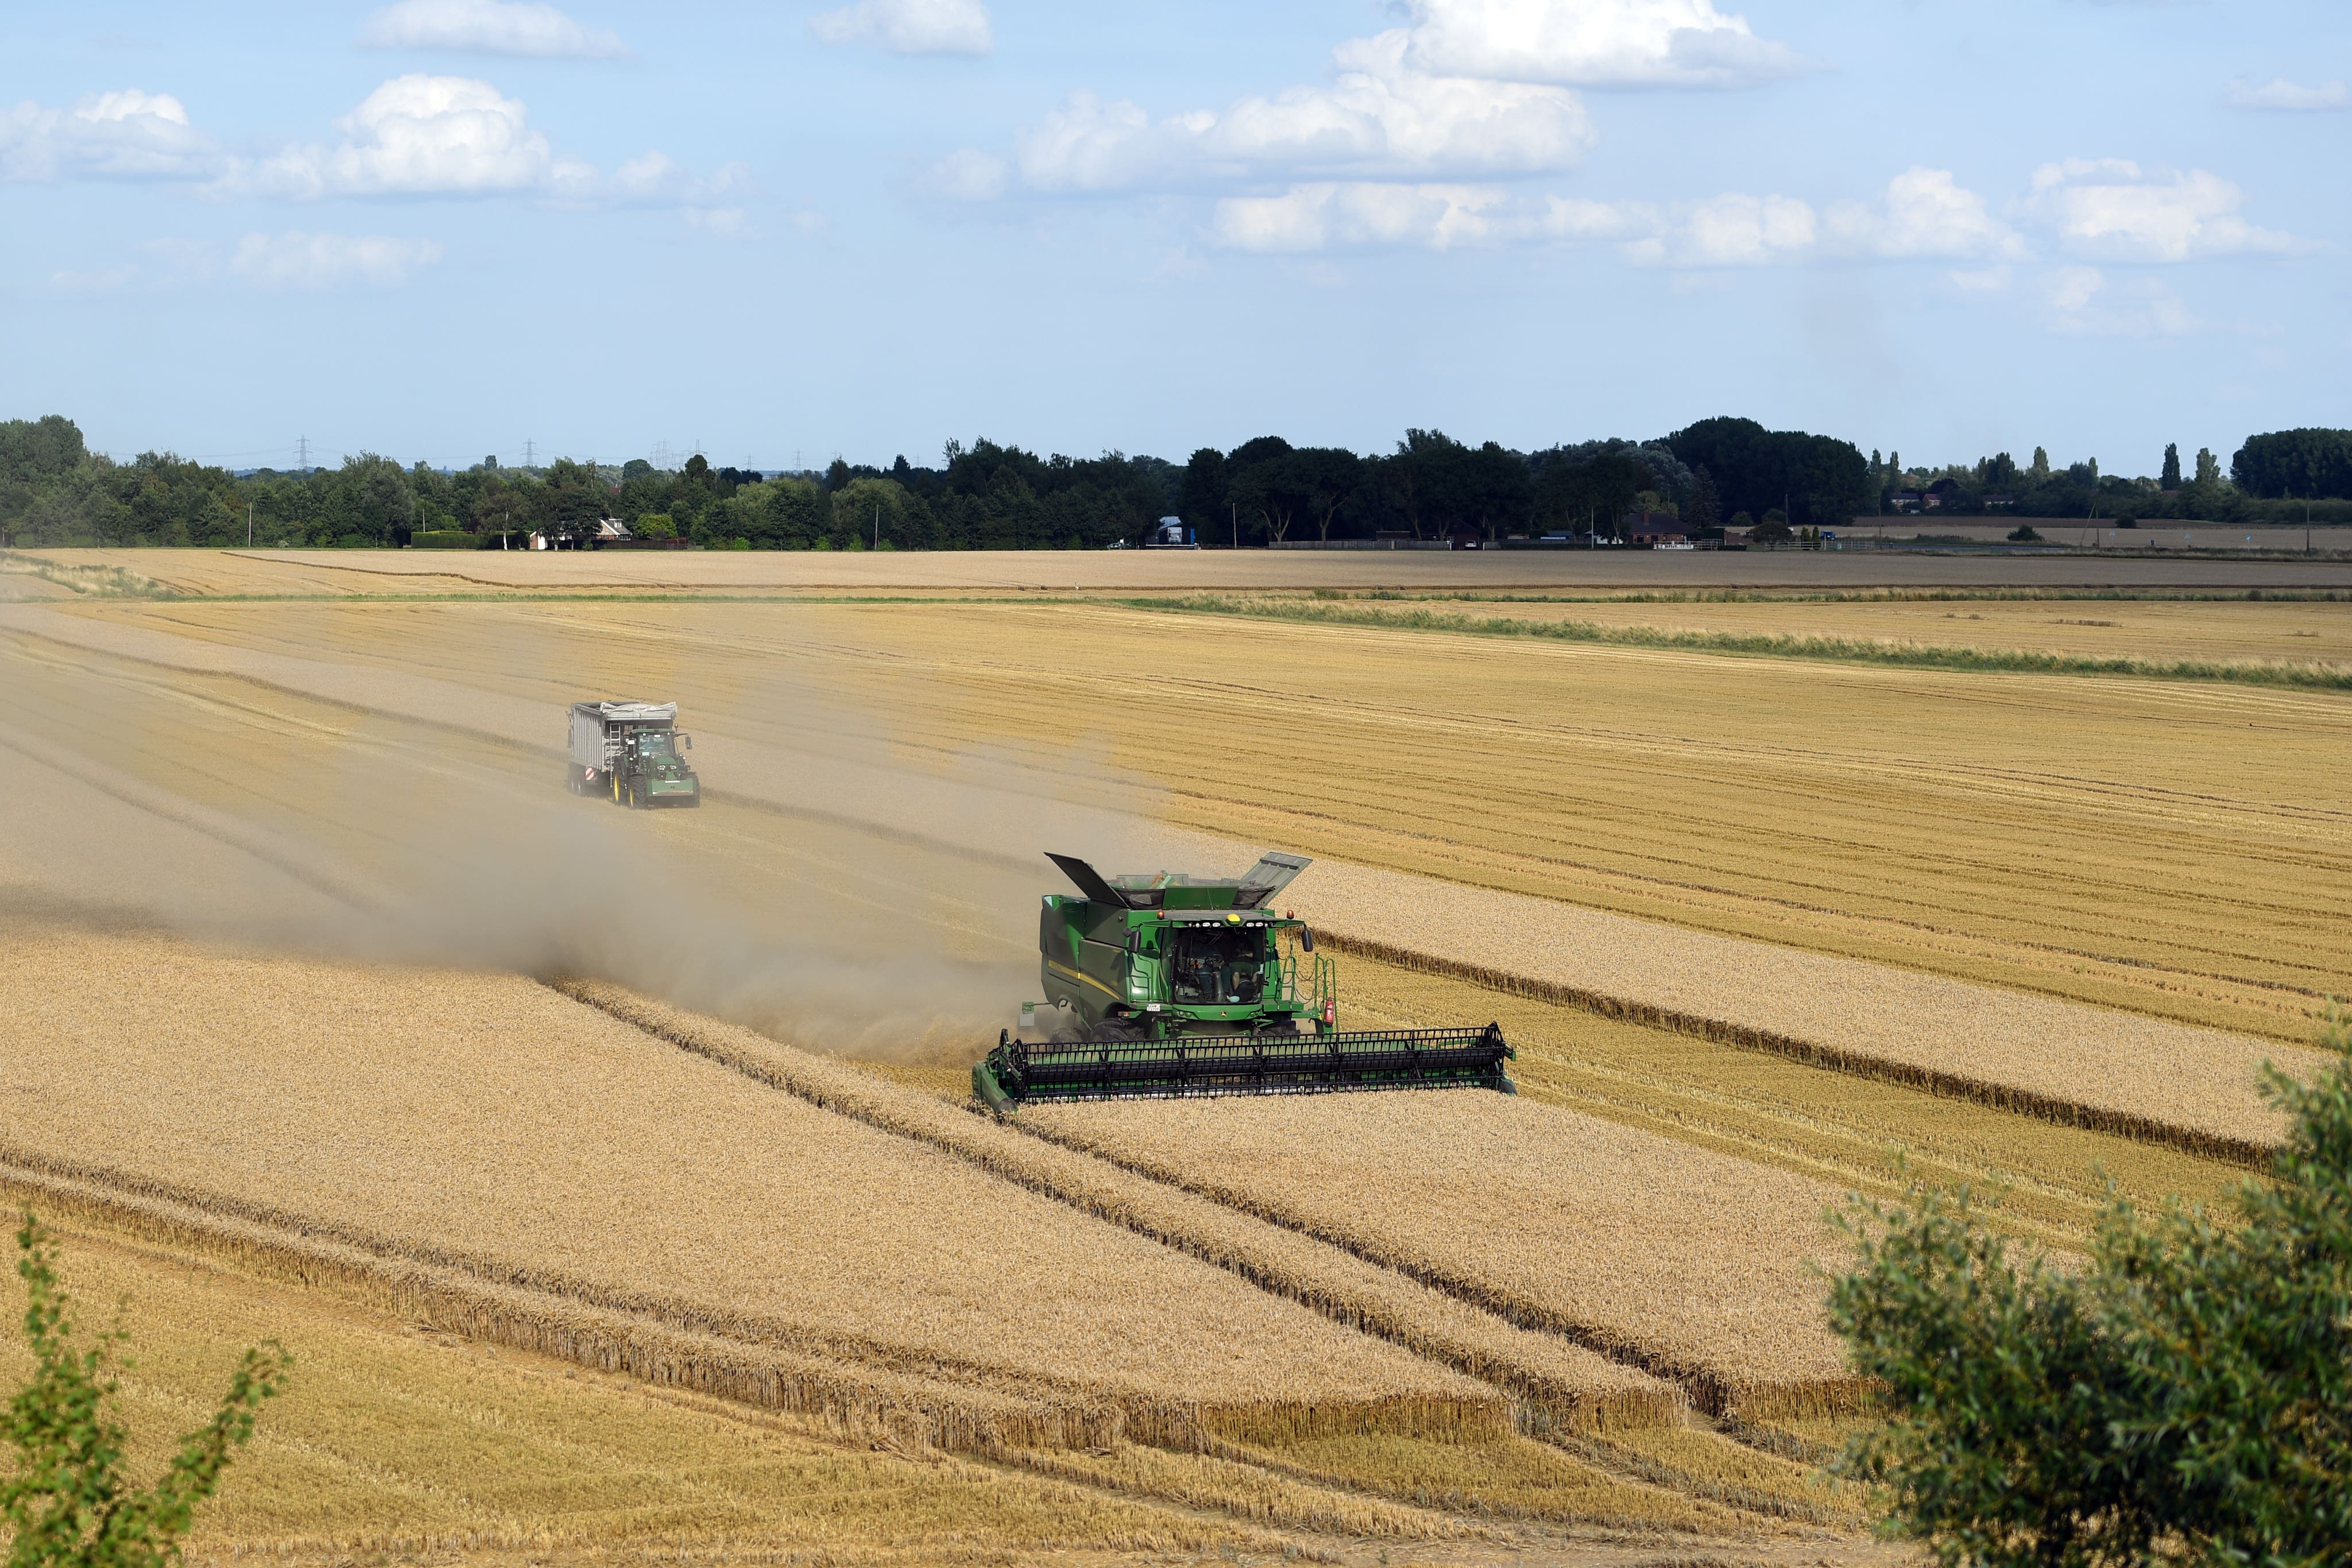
pixel 440 228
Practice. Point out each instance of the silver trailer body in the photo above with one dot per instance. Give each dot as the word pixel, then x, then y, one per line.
pixel 597 729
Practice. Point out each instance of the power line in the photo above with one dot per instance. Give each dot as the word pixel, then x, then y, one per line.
pixel 302 461
pixel 528 458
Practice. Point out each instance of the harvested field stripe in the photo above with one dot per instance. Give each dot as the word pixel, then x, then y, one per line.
pixel 2198 1090
pixel 1835 650
pixel 1687 1263
pixel 483 1124
pixel 859 1402
pixel 1562 1384
pixel 1883 1069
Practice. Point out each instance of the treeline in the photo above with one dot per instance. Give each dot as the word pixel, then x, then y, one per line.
pixel 2285 478
pixel 1716 474
pixel 54 491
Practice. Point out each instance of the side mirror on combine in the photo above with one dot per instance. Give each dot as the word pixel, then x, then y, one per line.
pixel 1306 939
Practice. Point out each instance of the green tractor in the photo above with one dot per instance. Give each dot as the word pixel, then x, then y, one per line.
pixel 1166 986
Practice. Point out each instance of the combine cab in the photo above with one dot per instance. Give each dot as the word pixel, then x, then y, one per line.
pixel 1160 987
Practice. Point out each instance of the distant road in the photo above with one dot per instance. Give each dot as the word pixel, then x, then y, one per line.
pixel 336 572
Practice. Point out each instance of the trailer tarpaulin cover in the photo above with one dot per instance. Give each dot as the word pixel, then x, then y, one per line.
pixel 634 713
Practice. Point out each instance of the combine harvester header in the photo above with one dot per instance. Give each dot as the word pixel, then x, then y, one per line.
pixel 1167 985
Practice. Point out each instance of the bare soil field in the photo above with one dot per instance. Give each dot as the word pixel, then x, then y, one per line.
pixel 342 572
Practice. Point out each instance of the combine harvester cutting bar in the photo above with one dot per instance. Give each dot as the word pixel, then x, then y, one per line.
pixel 1250 1064
pixel 1174 987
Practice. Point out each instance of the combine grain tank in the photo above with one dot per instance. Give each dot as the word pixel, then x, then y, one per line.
pixel 1167 985
pixel 634 752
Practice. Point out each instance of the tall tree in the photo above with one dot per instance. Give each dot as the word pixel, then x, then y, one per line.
pixel 1330 475
pixel 2171 479
pixel 1203 490
pixel 2307 464
pixel 1705 509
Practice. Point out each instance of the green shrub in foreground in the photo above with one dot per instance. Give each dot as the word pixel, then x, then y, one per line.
pixel 66 1503
pixel 2185 1396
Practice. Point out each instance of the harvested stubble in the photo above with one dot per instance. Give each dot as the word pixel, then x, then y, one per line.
pixel 1560 1385
pixel 2101 626
pixel 392 1441
pixel 487 1127
pixel 1692 1265
pixel 2194 1089
pixel 1514 1478
pixel 1859 1134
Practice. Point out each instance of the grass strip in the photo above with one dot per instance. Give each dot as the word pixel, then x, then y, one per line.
pixel 1766 645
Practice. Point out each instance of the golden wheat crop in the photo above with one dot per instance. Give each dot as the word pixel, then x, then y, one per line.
pixel 1695 1266
pixel 2071 837
pixel 1512 1478
pixel 2029 1050
pixel 393 1440
pixel 485 1127
pixel 2200 1088
pixel 2154 630
pixel 1868 1135
pixel 1570 1388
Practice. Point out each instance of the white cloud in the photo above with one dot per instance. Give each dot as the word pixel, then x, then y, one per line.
pixel 1321 216
pixel 425 135
pixel 1378 119
pixel 1593 43
pixel 1730 231
pixel 970 175
pixel 1925 213
pixel 655 179
pixel 457 136
pixel 2080 301
pixel 2107 208
pixel 909 26
pixel 488 28
pixel 2281 93
pixel 324 261
pixel 123 135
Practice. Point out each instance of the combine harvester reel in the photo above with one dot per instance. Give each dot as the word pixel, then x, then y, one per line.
pixel 1169 987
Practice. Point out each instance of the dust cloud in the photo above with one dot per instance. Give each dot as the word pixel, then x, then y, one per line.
pixel 852 895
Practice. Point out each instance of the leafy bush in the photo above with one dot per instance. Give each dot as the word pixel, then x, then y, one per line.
pixel 67 1504
pixel 443 538
pixel 2023 534
pixel 654 526
pixel 2184 1396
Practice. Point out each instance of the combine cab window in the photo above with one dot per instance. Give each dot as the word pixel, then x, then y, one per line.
pixel 1214 966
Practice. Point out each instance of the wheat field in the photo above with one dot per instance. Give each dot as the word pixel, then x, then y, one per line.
pixel 310 573
pixel 2100 624
pixel 1759 926
pixel 487 1126
pixel 2065 836
pixel 393 1441
pixel 1854 1134
pixel 1699 1267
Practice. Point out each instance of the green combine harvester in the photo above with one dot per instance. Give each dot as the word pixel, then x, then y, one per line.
pixel 1166 986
